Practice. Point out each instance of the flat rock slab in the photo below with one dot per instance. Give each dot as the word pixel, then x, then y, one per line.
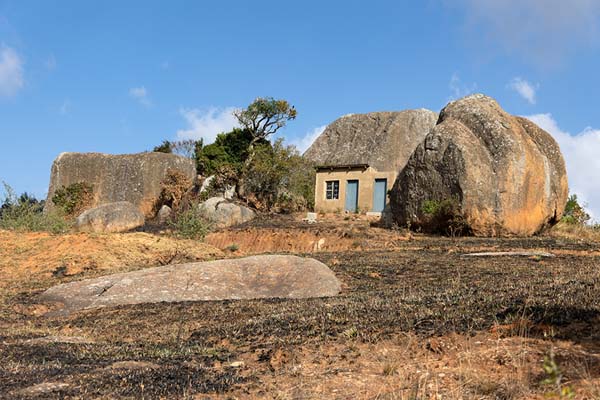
pixel 512 254
pixel 257 277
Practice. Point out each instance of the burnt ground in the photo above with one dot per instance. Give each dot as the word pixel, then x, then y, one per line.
pixel 410 300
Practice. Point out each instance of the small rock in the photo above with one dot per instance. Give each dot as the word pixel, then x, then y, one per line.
pixel 164 214
pixel 237 364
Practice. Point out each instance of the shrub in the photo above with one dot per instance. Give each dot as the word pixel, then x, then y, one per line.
pixel 26 213
pixel 72 200
pixel 575 213
pixel 175 185
pixel 443 217
pixel 280 179
pixel 191 224
pixel 164 147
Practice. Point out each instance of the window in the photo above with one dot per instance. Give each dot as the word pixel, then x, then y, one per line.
pixel 332 191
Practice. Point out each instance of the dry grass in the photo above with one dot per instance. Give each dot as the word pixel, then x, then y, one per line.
pixel 417 322
pixel 575 232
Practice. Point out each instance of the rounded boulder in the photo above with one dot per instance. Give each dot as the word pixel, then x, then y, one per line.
pixel 498 174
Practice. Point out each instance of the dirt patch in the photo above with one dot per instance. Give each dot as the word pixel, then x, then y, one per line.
pixel 63 255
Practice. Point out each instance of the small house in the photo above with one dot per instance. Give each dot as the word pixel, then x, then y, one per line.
pixel 359 156
pixel 352 188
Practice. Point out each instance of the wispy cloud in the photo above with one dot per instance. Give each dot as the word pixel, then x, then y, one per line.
pixel 581 156
pixel 141 95
pixel 525 89
pixel 459 89
pixel 541 31
pixel 207 124
pixel 11 71
pixel 304 142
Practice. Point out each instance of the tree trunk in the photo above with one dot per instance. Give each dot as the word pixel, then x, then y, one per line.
pixel 241 186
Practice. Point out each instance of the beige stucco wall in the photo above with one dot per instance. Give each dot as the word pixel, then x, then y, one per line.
pixel 366 182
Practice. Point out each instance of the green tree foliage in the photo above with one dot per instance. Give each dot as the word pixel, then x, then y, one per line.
pixel 164 147
pixel 280 179
pixel 262 118
pixel 229 150
pixel 574 212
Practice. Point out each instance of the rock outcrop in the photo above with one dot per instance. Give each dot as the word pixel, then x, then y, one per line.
pixel 384 140
pixel 258 277
pixel 505 175
pixel 135 178
pixel 121 216
pixel 223 213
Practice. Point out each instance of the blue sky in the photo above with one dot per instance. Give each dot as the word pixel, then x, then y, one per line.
pixel 121 76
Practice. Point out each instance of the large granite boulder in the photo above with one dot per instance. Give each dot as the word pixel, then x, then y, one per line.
pixel 384 140
pixel 504 174
pixel 257 277
pixel 135 178
pixel 121 216
pixel 223 213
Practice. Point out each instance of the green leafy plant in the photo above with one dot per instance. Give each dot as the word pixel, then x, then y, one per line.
pixel 554 378
pixel 280 179
pixel 191 224
pixel 74 198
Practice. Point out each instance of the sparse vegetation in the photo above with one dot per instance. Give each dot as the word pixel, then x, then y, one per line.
pixel 279 179
pixel 175 186
pixel 443 217
pixel 575 213
pixel 73 199
pixel 26 213
pixel 190 224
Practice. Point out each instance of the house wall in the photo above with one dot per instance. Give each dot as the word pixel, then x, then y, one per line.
pixel 366 183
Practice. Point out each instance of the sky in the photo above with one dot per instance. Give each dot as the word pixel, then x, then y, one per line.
pixel 122 76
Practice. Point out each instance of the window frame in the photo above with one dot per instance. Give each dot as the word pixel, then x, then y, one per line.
pixel 332 193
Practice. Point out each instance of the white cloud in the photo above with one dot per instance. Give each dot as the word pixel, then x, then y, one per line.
pixel 141 95
pixel 543 31
pixel 303 143
pixel 11 71
pixel 581 156
pixel 458 89
pixel 525 89
pixel 207 124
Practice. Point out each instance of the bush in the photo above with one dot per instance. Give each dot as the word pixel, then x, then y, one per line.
pixel 175 185
pixel 164 147
pixel 26 213
pixel 190 224
pixel 229 150
pixel 72 200
pixel 280 179
pixel 575 213
pixel 443 217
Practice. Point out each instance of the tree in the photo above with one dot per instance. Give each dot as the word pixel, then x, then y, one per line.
pixel 262 118
pixel 164 147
